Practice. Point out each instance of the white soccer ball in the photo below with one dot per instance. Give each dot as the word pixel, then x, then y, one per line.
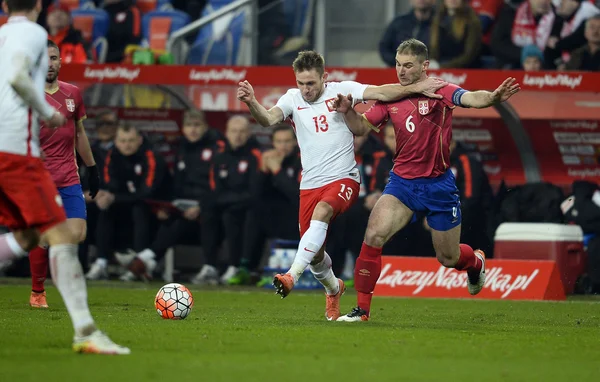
pixel 173 302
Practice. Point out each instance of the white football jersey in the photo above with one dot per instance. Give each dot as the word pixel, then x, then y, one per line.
pixel 326 144
pixel 19 126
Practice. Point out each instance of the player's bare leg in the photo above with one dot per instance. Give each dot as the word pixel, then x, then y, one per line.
pixel 451 254
pixel 38 264
pixel 68 278
pixel 389 216
pixel 309 246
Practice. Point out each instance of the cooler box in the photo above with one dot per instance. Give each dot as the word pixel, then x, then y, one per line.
pixel 544 241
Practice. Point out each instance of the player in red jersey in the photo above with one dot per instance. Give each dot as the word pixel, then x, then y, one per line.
pixel 59 146
pixel 30 205
pixel 421 179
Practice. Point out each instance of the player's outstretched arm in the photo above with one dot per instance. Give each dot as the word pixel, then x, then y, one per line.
pixel 482 98
pixel 357 124
pixel 23 85
pixel 394 92
pixel 245 93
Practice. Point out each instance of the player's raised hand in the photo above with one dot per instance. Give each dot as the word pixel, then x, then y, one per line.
pixel 507 89
pixel 245 92
pixel 56 120
pixel 342 104
pixel 430 86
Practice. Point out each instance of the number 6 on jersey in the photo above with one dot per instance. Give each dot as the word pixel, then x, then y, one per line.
pixel 409 125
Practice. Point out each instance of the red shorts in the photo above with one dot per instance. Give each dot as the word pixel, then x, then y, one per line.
pixel 340 195
pixel 28 196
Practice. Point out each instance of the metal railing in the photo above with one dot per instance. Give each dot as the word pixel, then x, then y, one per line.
pixel 175 42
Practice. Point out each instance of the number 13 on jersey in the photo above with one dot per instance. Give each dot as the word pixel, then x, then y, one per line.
pixel 321 124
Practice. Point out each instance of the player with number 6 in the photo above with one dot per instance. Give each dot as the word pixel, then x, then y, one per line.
pixel 421 179
pixel 330 177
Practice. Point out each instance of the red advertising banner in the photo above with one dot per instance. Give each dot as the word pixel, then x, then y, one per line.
pixel 283 76
pixel 567 150
pixel 506 279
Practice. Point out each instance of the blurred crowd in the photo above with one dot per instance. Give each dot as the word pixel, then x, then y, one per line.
pixel 506 34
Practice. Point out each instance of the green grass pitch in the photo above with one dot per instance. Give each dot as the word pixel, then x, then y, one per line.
pixel 237 334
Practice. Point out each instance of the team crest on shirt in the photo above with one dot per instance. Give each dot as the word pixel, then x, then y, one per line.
pixel 424 107
pixel 329 103
pixel 243 166
pixel 181 165
pixel 138 169
pixel 290 172
pixel 206 154
pixel 70 104
pixel 368 170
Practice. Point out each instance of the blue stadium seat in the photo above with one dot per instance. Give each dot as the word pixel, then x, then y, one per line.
pixel 93 24
pixel 154 22
pixel 218 43
pixel 299 14
pixel 219 3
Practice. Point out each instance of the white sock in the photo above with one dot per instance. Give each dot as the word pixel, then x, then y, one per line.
pixel 146 254
pixel 324 274
pixel 68 278
pixel 10 248
pixel 310 244
pixel 103 263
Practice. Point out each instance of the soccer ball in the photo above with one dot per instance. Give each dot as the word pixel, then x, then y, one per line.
pixel 174 302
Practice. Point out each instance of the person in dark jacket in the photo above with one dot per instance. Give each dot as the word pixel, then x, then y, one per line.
pixel 125 28
pixel 132 173
pixel 73 48
pixel 275 215
pixel 414 24
pixel 196 152
pixel 476 196
pixel 235 186
pixel 583 208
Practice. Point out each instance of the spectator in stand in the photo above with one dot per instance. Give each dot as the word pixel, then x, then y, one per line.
pixel 275 215
pixel 235 182
pixel 72 46
pixel 487 10
pixel 132 173
pixel 530 23
pixel 414 24
pixel 532 58
pixel 124 30
pixel 568 31
pixel 455 40
pixel 195 154
pixel 588 56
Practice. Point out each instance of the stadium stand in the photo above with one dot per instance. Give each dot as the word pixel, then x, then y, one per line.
pixel 158 25
pixel 219 43
pixel 93 24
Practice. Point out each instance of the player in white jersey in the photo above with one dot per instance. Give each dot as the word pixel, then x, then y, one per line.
pixel 29 202
pixel 330 176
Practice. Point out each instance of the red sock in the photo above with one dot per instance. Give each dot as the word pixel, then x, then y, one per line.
pixel 366 274
pixel 468 261
pixel 38 265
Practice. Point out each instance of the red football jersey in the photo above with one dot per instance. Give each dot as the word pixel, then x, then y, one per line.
pixel 59 144
pixel 423 128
